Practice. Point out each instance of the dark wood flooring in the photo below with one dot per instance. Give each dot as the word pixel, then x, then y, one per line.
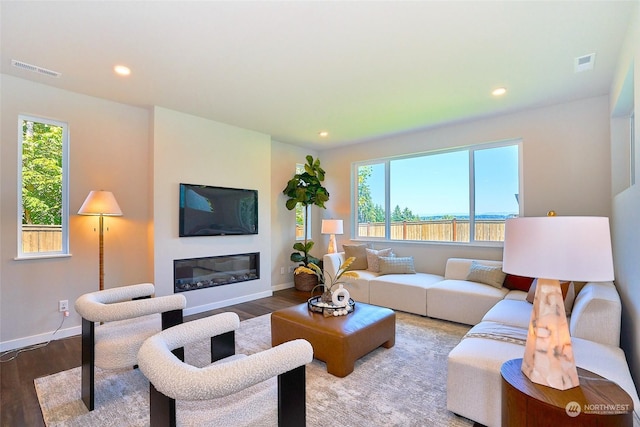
pixel 18 402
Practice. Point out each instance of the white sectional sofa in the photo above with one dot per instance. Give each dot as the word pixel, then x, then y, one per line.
pixel 473 371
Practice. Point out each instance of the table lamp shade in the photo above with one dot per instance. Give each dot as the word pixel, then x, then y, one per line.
pixel 552 249
pixel 332 226
pixel 100 203
pixel 559 247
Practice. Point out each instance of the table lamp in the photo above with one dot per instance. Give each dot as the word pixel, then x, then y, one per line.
pixel 555 248
pixel 100 203
pixel 332 227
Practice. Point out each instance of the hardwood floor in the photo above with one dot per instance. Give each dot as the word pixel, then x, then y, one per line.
pixel 18 402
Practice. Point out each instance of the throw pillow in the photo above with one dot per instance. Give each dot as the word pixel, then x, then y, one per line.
pixel 568 294
pixel 373 258
pixel 489 275
pixel 397 265
pixel 517 283
pixel 359 252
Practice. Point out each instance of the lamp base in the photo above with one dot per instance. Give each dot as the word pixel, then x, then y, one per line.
pixel 332 244
pixel 548 355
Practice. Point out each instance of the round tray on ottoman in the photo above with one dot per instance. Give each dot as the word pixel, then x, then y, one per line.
pixel 327 308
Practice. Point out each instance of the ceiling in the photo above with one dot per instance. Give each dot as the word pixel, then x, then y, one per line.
pixel 290 69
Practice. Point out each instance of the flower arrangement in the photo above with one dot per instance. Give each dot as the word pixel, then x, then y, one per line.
pixel 332 281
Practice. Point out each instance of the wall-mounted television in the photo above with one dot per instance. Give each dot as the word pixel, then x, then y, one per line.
pixel 217 211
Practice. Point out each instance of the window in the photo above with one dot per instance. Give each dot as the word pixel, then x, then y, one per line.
pixel 632 147
pixel 42 196
pixel 300 214
pixel 461 195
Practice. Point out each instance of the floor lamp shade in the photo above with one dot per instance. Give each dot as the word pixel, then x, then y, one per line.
pixel 100 203
pixel 552 249
pixel 332 227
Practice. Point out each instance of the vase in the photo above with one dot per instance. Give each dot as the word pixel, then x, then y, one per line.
pixel 326 296
pixel 340 292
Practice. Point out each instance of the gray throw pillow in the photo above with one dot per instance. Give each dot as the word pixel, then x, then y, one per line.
pixel 397 265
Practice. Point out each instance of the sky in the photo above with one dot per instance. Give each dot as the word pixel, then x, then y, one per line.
pixel 438 184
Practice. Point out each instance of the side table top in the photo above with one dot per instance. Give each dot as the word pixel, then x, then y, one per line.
pixel 595 393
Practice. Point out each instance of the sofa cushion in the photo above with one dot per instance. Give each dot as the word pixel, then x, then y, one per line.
pixel 568 294
pixel 462 301
pixel 359 252
pixel 397 265
pixel 510 312
pixel 458 268
pixel 489 275
pixel 597 313
pixel 405 292
pixel 373 258
pixel 359 288
pixel 517 283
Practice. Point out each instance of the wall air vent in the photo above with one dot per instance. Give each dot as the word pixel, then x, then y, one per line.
pixel 34 68
pixel 584 63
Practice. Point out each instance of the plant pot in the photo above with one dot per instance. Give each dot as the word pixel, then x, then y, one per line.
pixel 305 281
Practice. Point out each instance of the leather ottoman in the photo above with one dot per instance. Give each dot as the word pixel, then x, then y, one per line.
pixel 339 341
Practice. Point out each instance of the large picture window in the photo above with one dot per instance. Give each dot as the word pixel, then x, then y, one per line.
pixel 42 196
pixel 460 195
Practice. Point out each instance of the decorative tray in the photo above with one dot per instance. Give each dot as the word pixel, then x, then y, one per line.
pixel 329 309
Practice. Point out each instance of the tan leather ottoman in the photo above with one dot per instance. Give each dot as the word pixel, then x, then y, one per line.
pixel 339 341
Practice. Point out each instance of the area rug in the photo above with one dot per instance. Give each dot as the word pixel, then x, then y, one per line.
pixel 401 386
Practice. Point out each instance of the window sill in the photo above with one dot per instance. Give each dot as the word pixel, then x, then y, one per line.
pixel 40 256
pixel 482 244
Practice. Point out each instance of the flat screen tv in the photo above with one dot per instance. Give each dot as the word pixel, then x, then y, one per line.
pixel 217 211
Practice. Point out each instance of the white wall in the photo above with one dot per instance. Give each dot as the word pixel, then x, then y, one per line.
pixel 626 202
pixel 284 158
pixel 108 150
pixel 566 167
pixel 194 150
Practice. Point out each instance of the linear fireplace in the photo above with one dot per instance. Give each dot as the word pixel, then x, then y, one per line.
pixel 199 273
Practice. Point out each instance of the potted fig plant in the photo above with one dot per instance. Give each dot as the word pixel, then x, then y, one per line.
pixel 306 189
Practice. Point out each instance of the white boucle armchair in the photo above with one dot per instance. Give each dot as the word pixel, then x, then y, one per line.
pixel 172 379
pixel 115 323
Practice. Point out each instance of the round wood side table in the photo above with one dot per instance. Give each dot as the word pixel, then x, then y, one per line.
pixel 595 402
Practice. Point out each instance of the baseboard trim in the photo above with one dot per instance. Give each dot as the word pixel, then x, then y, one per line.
pixel 40 338
pixel 77 330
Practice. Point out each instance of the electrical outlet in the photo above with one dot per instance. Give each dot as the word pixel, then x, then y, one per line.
pixel 63 305
pixel 281 270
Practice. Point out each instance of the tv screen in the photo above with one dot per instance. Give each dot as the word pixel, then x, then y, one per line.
pixel 217 211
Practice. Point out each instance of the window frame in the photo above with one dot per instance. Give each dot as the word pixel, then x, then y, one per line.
pixel 632 148
pixel 64 221
pixel 307 225
pixel 471 149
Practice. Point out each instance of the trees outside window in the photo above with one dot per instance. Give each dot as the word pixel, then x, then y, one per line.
pixel 42 196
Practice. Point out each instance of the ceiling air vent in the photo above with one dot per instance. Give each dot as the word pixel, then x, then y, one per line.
pixel 584 63
pixel 34 68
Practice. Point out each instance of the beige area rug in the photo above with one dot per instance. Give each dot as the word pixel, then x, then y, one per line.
pixel 401 386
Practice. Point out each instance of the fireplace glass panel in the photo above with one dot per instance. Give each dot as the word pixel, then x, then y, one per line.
pixel 198 273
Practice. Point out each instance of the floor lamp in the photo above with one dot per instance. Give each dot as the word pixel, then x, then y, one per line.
pixel 555 248
pixel 101 204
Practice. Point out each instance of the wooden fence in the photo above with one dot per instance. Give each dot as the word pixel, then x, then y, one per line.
pixel 450 230
pixel 41 238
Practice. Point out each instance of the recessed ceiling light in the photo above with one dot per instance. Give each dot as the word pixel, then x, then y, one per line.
pixel 323 134
pixel 122 70
pixel 499 91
